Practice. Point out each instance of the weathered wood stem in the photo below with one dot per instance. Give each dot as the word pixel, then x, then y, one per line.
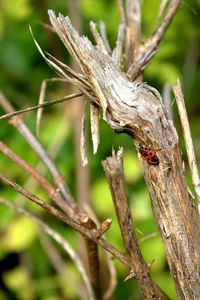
pixel 137 109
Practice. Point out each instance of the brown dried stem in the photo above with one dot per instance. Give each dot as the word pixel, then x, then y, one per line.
pixel 121 11
pixel 102 228
pixel 104 36
pixel 72 221
pixel 137 109
pixel 93 257
pixel 113 167
pixel 118 50
pixel 188 139
pixel 52 192
pixel 149 48
pixel 42 100
pixel 37 147
pixel 42 105
pixel 97 37
pixel 133 28
pixel 148 237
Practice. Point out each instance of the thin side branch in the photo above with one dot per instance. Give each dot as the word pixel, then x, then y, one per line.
pixel 148 237
pixel 52 192
pixel 42 105
pixel 72 221
pixel 104 36
pixel 121 11
pixel 133 29
pixel 97 37
pixel 37 147
pixel 118 50
pixel 42 100
pixel 113 167
pixel 149 49
pixel 93 258
pixel 188 138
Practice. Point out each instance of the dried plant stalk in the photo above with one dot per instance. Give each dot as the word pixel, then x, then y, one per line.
pixel 188 139
pixel 113 167
pixel 137 109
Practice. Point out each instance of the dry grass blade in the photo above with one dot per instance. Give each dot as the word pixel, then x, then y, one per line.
pixel 104 36
pixel 44 104
pixel 188 139
pixel 79 77
pixel 83 141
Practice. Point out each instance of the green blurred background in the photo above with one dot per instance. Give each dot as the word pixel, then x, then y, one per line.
pixel 26 272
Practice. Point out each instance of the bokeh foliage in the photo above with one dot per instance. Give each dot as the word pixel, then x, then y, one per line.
pixel 24 273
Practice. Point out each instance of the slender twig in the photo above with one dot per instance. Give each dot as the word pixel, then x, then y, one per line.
pixel 148 237
pixel 167 101
pixel 37 147
pixel 72 221
pixel 188 139
pixel 112 270
pixel 133 28
pixel 83 140
pixel 53 254
pixel 52 192
pixel 71 72
pixel 47 26
pixel 42 100
pixel 104 36
pixel 93 258
pixel 149 48
pixel 121 11
pixel 82 171
pixel 97 37
pixel 113 279
pixel 113 167
pixel 64 70
pixel 44 104
pixel 118 50
pixel 162 8
pixel 60 240
pixel 94 124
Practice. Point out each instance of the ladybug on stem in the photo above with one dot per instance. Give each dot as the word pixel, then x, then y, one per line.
pixel 149 155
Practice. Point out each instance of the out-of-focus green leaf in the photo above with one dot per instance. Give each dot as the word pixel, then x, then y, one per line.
pixel 140 205
pixel 71 288
pixel 20 233
pixel 153 249
pixel 18 9
pixel 2 24
pixel 6 215
pixel 101 198
pixel 2 296
pixel 17 278
pixel 132 169
pixel 93 9
pixel 164 71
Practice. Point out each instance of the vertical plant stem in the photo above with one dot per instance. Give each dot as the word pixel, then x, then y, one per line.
pixel 113 167
pixel 188 139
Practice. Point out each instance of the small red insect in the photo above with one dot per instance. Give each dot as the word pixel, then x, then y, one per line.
pixel 149 155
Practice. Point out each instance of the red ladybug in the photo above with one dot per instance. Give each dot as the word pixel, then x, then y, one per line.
pixel 149 155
